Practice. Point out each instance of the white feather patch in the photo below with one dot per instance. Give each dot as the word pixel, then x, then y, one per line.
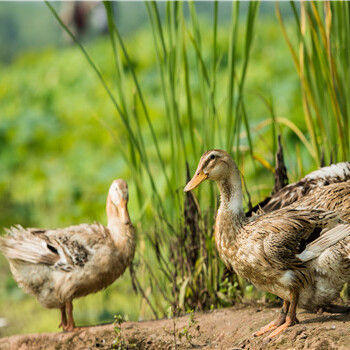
pixel 287 278
pixel 341 170
pixel 307 255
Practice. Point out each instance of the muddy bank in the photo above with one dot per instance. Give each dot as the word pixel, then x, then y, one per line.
pixel 220 329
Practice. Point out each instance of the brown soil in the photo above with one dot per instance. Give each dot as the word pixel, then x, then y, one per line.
pixel 220 329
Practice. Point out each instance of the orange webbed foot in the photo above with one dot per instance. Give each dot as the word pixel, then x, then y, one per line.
pixel 271 326
pixel 276 323
pixel 289 323
pixel 68 327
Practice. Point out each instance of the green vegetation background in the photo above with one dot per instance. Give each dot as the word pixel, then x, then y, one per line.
pixel 58 153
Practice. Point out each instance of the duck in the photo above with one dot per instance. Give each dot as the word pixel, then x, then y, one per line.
pixel 59 265
pixel 301 255
pixel 327 187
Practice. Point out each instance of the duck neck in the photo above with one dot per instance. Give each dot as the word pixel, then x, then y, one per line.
pixel 231 195
pixel 118 229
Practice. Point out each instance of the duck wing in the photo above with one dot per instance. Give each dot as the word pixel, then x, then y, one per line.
pixel 64 249
pixel 20 244
pixel 294 236
pixel 334 197
pixel 328 238
pixel 335 173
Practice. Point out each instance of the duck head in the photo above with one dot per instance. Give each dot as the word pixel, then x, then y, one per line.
pixel 118 196
pixel 215 165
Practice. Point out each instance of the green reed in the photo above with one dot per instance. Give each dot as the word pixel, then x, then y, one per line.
pixel 321 57
pixel 180 261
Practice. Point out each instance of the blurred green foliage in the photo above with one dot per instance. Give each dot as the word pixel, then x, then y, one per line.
pixel 21 28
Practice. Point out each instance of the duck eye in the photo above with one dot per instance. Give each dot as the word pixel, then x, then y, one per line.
pixel 212 156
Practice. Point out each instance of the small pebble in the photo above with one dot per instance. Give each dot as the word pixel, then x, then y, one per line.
pixel 82 335
pixel 303 336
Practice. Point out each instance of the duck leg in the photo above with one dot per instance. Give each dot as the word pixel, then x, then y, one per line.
pixel 276 323
pixel 63 322
pixel 70 323
pixel 291 320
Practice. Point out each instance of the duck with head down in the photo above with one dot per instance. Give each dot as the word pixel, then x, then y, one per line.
pixel 57 266
pixel 294 253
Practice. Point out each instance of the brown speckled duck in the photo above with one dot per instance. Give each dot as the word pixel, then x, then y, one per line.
pixel 301 255
pixel 57 266
pixel 327 188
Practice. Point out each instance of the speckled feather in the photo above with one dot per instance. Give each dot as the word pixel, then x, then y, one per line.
pixel 264 248
pixel 334 197
pixel 321 185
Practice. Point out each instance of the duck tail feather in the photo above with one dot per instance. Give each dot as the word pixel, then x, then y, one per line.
pixel 326 240
pixel 32 251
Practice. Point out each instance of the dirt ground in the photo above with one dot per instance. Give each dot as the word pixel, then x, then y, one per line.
pixel 224 329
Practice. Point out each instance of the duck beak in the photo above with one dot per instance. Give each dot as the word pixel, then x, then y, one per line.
pixel 123 211
pixel 197 179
